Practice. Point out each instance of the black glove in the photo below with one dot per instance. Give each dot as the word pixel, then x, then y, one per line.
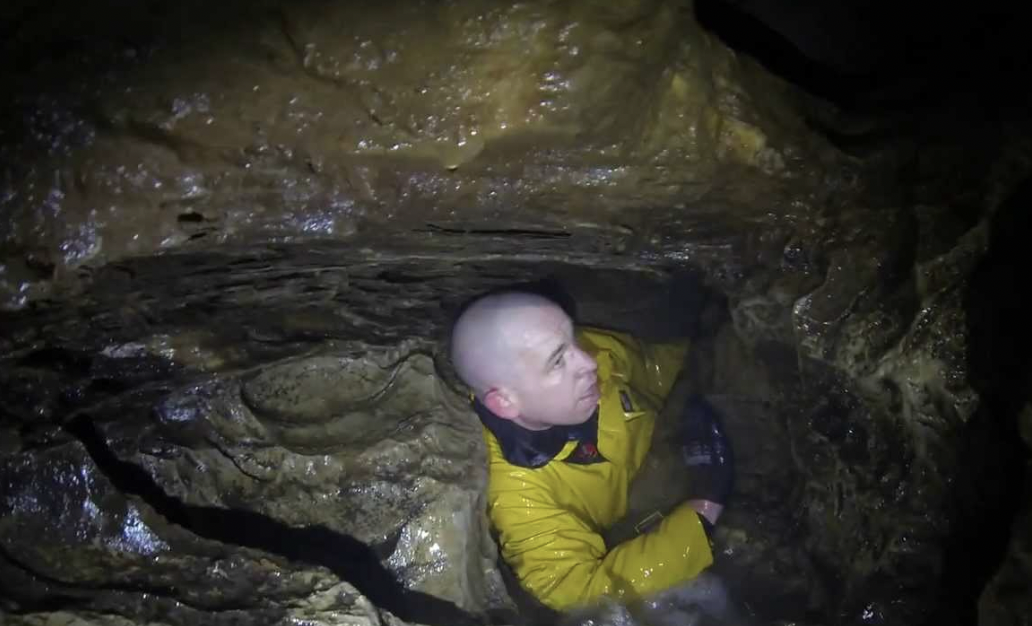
pixel 706 452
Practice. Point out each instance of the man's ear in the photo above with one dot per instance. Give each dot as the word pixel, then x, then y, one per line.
pixel 501 403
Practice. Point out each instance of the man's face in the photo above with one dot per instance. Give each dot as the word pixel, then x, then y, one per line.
pixel 555 381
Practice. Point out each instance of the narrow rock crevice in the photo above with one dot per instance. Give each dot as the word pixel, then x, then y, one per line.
pixel 348 558
pixel 990 477
pixel 514 233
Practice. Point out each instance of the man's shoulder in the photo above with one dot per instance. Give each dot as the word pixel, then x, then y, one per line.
pixel 614 350
pixel 507 477
pixel 649 366
pixel 595 339
pixel 601 332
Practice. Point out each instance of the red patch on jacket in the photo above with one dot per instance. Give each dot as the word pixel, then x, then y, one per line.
pixel 585 453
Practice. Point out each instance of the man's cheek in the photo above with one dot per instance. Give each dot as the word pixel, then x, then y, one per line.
pixel 552 381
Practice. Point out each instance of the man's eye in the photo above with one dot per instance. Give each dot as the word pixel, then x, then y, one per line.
pixel 559 362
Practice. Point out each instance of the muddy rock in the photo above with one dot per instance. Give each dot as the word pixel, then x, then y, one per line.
pixel 370 445
pixel 69 533
pixel 314 121
pixel 234 236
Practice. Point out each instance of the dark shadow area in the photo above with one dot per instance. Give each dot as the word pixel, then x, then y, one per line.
pixel 992 456
pixel 907 55
pixel 655 308
pixel 348 558
pixel 747 33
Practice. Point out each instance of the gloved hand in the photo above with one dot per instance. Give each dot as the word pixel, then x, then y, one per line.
pixel 706 452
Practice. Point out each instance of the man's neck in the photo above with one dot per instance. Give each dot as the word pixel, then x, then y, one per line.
pixel 530 424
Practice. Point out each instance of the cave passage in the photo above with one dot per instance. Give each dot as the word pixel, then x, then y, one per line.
pixel 222 223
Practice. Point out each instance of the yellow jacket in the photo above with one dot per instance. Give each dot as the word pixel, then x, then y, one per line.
pixel 549 517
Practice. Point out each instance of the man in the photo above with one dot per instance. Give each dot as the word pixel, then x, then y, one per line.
pixel 568 418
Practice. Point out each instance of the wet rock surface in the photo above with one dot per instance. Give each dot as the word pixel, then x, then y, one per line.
pixel 379 477
pixel 233 237
pixel 191 127
pixel 78 548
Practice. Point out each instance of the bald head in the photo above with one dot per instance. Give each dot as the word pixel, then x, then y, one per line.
pixel 487 336
pixel 519 354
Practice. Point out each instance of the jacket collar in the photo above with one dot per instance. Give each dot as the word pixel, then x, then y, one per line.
pixel 534 448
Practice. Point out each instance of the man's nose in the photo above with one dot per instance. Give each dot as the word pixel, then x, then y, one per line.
pixel 587 364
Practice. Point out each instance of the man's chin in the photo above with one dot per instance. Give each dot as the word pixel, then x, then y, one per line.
pixel 586 416
pixel 590 401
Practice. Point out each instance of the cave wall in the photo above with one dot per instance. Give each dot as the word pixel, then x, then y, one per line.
pixel 196 198
pixel 182 126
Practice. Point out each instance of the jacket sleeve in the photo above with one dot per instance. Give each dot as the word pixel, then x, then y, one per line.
pixel 562 561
